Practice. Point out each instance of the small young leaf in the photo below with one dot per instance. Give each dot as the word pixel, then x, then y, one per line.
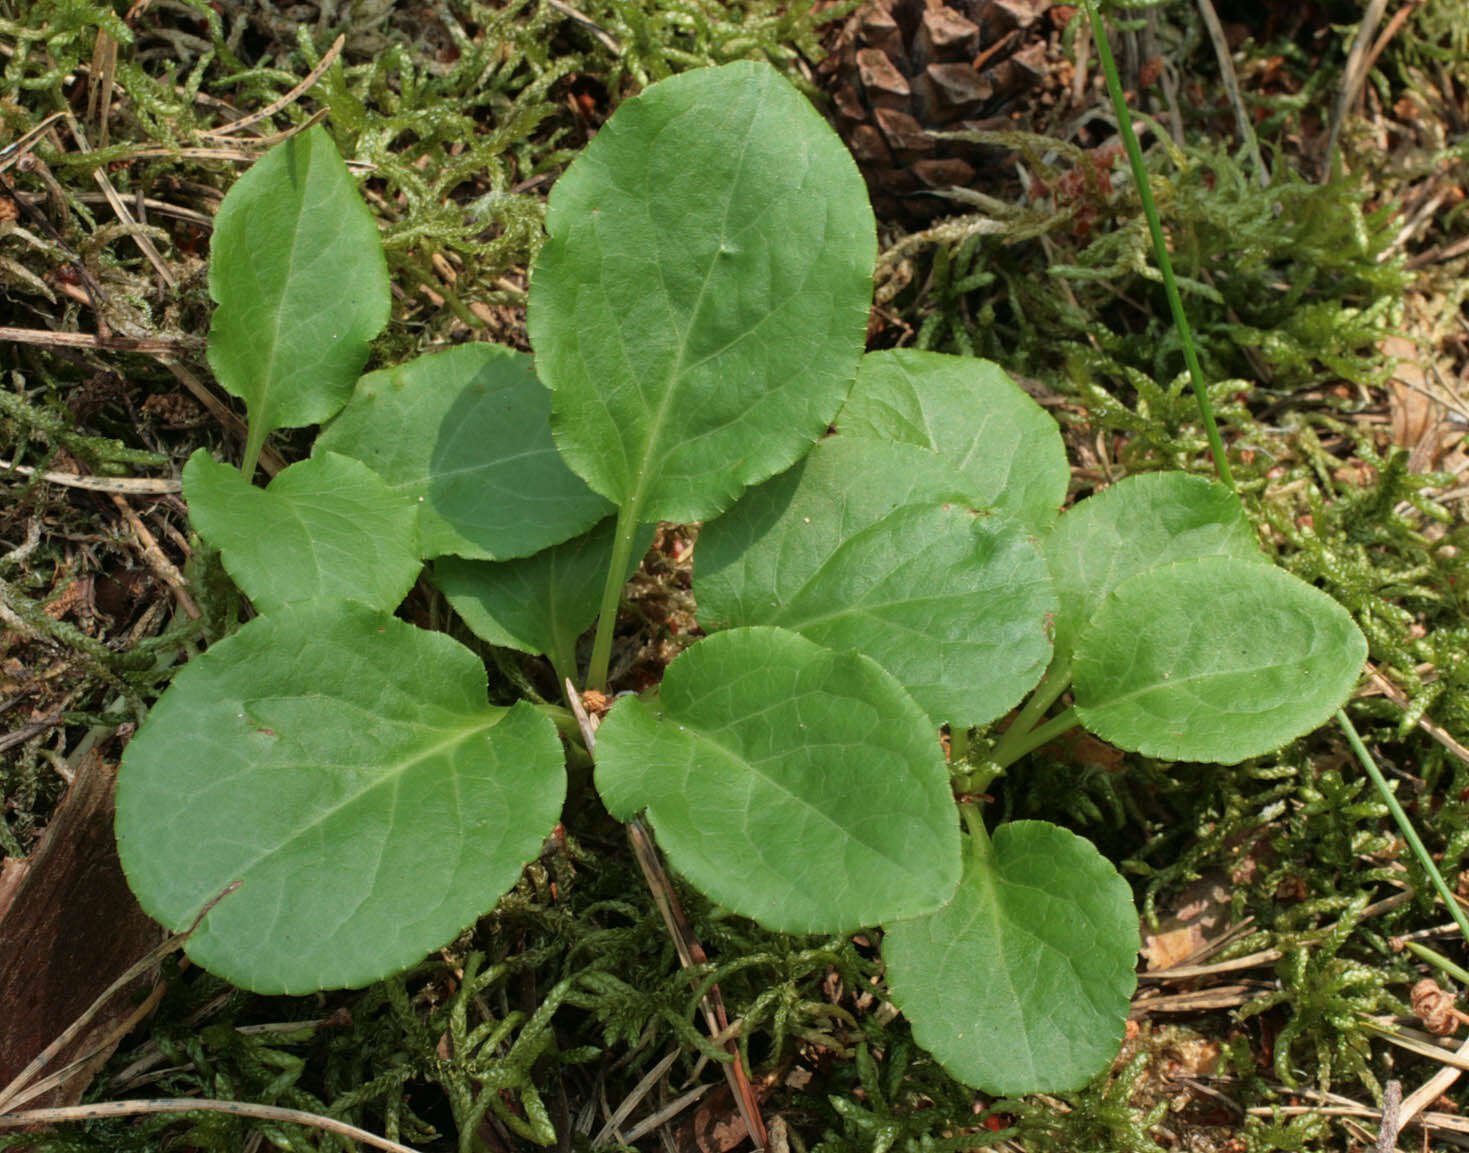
pixel 343 766
pixel 1215 659
pixel 701 303
pixel 466 433
pixel 541 603
pixel 974 416
pixel 1021 983
pixel 799 786
pixel 1143 521
pixel 878 547
pixel 326 527
pixel 297 270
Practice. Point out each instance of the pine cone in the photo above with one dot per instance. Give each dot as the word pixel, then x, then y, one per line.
pixel 898 70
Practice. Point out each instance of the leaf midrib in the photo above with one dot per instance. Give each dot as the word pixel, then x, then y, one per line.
pixel 393 775
pixel 675 372
pixel 1190 678
pixel 731 754
pixel 268 384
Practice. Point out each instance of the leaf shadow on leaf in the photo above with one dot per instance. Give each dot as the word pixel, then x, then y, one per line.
pixel 457 478
pixel 758 520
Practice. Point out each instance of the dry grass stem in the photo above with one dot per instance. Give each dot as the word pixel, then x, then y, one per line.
pixel 200 1105
pixel 327 60
pixel 129 485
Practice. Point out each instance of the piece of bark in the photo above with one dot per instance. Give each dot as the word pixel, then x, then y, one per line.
pixel 12 872
pixel 71 929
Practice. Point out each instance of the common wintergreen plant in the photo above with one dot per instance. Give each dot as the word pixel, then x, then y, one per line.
pixel 698 316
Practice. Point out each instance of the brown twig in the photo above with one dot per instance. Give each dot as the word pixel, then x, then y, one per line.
pixel 690 952
pixel 132 485
pixel 13 151
pixel 1353 78
pixel 1438 1049
pixel 1210 1000
pixel 1394 26
pixel 270 460
pixel 92 289
pixel 153 555
pixel 1231 85
pixel 603 37
pixel 1445 1122
pixel 145 245
pixel 1082 48
pixel 162 207
pixel 327 60
pixel 111 342
pixel 1432 1089
pixel 1387 1133
pixel 612 1125
pixel 31 729
pixel 1437 732
pixel 101 79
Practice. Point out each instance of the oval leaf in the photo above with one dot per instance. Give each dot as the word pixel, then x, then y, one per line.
pixel 541 603
pixel 1021 984
pixel 701 303
pixel 973 415
pixel 1214 659
pixel 344 768
pixel 796 785
pixel 297 269
pixel 466 434
pixel 877 547
pixel 326 527
pixel 1139 523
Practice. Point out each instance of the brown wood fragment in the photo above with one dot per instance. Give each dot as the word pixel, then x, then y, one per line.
pixel 71 929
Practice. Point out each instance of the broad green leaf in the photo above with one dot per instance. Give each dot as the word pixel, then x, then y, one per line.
pixel 796 785
pixel 972 414
pixel 344 767
pixel 540 603
pixel 1021 983
pixel 1214 659
pixel 327 527
pixel 297 269
pixel 878 547
pixel 1141 522
pixel 465 433
pixel 701 303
